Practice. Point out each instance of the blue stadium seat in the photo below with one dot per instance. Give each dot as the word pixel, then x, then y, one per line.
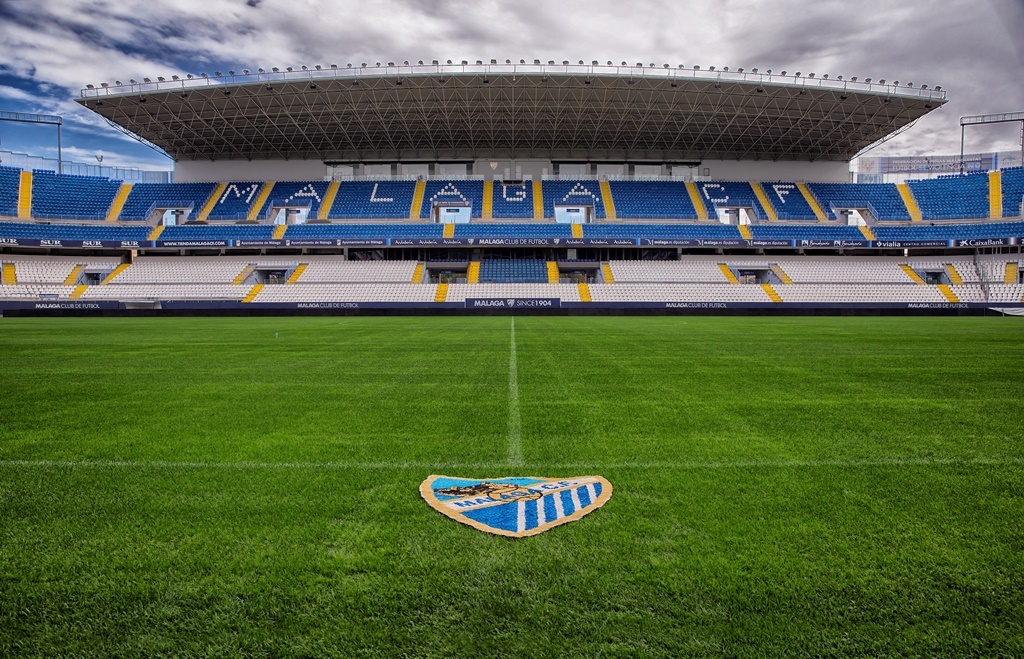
pixel 788 202
pixel 573 193
pixel 545 230
pixel 72 231
pixel 353 231
pixel 952 197
pixel 729 194
pixel 881 199
pixel 295 194
pixel 10 178
pixel 452 192
pixel 516 271
pixel 373 200
pixel 1013 191
pixel 236 201
pixel 652 200
pixel 512 201
pixel 147 197
pixel 663 231
pixel 218 232
pixel 805 232
pixel 67 197
pixel 952 231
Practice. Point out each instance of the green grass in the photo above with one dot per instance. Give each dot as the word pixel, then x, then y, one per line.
pixel 799 486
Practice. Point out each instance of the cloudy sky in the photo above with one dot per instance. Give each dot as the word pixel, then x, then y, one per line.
pixel 50 49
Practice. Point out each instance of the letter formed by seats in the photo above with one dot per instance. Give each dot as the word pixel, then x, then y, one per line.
pixel 449 190
pixel 580 190
pixel 518 192
pixel 247 192
pixel 706 188
pixel 783 189
pixel 375 198
pixel 306 192
pixel 515 507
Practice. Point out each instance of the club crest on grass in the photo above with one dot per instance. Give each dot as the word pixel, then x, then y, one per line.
pixel 515 507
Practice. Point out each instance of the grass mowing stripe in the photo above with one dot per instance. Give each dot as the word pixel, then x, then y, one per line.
pixel 753 464
pixel 515 429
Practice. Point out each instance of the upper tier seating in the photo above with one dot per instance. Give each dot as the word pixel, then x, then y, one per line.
pixel 710 231
pixel 951 231
pixel 952 197
pixel 534 230
pixel 881 199
pixel 513 271
pixel 805 232
pixel 10 178
pixel 70 197
pixel 652 200
pixel 353 231
pixel 218 232
pixel 373 200
pixel 1013 191
pixel 72 231
pixel 729 194
pixel 147 197
pixel 788 202
pixel 295 194
pixel 573 193
pixel 236 201
pixel 453 193
pixel 512 201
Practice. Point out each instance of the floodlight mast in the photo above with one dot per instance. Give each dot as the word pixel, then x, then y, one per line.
pixel 980 119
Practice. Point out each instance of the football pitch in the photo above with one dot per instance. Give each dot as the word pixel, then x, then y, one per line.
pixel 798 486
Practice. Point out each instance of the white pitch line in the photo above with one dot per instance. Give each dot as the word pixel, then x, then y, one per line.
pixel 546 468
pixel 515 429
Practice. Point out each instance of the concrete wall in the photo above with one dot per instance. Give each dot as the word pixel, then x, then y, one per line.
pixel 187 171
pixel 766 170
pixel 314 170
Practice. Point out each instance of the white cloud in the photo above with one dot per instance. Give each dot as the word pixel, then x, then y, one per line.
pixel 967 47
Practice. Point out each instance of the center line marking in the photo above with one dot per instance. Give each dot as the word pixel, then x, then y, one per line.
pixel 515 431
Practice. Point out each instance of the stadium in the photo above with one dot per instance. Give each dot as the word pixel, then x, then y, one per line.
pixel 191 465
pixel 448 188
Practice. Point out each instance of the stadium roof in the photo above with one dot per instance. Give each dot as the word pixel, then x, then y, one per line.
pixel 488 111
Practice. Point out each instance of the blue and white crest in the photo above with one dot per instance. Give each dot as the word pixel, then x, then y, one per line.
pixel 515 507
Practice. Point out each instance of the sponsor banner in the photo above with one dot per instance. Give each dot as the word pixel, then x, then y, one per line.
pixel 514 303
pixel 689 242
pixel 315 242
pixel 191 243
pixel 983 242
pixel 76 244
pixel 908 244
pixel 60 305
pixel 258 243
pixel 517 242
pixel 430 242
pixel 831 244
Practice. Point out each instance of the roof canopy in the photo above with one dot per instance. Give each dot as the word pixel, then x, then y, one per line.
pixel 442 113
